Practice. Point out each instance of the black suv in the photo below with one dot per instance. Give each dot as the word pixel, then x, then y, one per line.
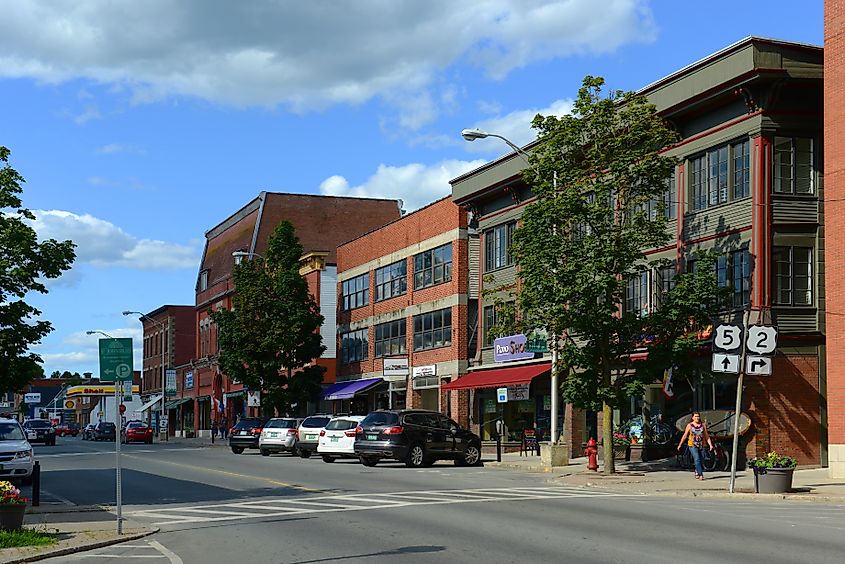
pixel 415 437
pixel 105 431
pixel 245 434
pixel 41 431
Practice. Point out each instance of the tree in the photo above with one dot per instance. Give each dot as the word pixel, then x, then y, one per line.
pixel 269 339
pixel 24 263
pixel 599 179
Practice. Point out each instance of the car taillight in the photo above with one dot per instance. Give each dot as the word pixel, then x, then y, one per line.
pixel 359 430
pixel 323 433
pixel 256 431
pixel 291 431
pixel 350 433
pixel 393 431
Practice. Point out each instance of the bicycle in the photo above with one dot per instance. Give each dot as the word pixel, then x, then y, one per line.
pixel 658 433
pixel 712 460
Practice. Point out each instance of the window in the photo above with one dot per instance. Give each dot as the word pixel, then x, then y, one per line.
pixel 793 273
pixel 354 346
pixel 391 280
pixel 433 267
pixel 637 294
pixel 793 162
pixel 717 182
pixel 699 183
pixel 721 267
pixel 670 209
pixel 203 280
pixel 432 330
pixel 490 319
pixel 665 281
pixel 497 245
pixel 741 277
pixel 742 169
pixel 356 292
pixel 390 338
pixel 722 174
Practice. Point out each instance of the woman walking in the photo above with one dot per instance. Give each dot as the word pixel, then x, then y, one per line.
pixel 696 435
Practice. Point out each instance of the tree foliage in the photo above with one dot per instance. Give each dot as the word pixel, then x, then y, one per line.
pixel 270 337
pixel 599 178
pixel 24 264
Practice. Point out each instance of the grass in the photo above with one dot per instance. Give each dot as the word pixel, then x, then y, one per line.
pixel 26 537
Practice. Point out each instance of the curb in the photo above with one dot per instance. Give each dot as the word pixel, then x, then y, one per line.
pixel 78 548
pixel 737 496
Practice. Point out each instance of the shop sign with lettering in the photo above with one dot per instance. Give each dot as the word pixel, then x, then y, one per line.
pixel 510 348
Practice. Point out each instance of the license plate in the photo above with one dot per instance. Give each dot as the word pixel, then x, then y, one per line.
pixel 273 435
pixel 335 439
pixel 244 433
pixel 372 437
pixel 310 437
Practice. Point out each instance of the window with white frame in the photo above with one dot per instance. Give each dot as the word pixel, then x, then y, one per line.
pixel 637 293
pixel 793 275
pixel 391 280
pixel 497 245
pixel 433 267
pixel 203 280
pixel 356 291
pixel 793 164
pixel 354 346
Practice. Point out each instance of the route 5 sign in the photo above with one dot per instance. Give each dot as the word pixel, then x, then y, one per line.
pixel 762 339
pixel 728 337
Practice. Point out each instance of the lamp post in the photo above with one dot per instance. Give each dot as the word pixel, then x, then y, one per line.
pixel 160 325
pixel 472 135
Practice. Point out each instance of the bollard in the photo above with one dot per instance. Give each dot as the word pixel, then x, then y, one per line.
pixel 498 448
pixel 36 484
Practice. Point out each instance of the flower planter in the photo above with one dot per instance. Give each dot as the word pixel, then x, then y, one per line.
pixel 773 480
pixel 621 452
pixel 11 516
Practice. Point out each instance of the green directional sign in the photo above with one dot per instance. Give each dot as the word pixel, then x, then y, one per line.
pixel 116 360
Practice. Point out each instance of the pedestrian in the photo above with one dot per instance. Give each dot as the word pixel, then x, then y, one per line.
pixel 224 428
pixel 696 436
pixel 213 430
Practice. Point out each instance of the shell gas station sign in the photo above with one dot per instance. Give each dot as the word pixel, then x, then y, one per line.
pixel 106 390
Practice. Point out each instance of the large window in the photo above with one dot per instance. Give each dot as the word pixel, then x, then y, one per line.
pixel 720 175
pixel 793 275
pixel 637 294
pixel 354 346
pixel 432 330
pixel 793 165
pixel 670 204
pixel 490 318
pixel 392 280
pixel 497 246
pixel 356 292
pixel 390 338
pixel 741 277
pixel 433 267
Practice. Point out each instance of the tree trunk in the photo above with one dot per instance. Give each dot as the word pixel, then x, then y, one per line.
pixel 607 438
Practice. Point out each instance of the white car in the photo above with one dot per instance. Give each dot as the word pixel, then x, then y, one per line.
pixel 278 435
pixel 309 433
pixel 16 457
pixel 337 439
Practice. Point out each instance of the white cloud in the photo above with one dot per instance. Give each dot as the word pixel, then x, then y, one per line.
pixel 302 54
pixel 88 114
pixel 415 184
pixel 114 148
pixel 103 244
pixel 516 126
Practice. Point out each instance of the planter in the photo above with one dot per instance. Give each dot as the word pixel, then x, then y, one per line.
pixel 773 480
pixel 621 452
pixel 11 516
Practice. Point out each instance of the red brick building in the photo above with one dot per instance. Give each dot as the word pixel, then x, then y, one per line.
pixel 404 296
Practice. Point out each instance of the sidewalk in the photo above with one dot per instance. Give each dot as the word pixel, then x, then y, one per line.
pixel 663 477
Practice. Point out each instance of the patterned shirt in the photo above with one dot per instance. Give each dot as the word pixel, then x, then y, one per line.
pixel 696 435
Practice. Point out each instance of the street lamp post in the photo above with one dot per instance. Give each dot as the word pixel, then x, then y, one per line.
pixel 472 135
pixel 160 325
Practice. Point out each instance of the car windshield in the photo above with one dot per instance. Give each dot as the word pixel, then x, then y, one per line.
pixel 341 425
pixel 137 425
pixel 281 424
pixel 38 424
pixel 248 424
pixel 315 422
pixel 381 418
pixel 11 432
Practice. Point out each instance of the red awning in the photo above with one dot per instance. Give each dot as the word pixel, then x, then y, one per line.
pixel 498 377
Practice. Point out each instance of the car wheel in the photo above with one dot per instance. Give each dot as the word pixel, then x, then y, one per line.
pixel 471 457
pixel 416 457
pixel 237 450
pixel 304 453
pixel 369 461
pixel 265 452
pixel 327 458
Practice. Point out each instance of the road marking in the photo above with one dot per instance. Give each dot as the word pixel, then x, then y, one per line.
pixel 39 456
pixel 60 498
pixel 172 556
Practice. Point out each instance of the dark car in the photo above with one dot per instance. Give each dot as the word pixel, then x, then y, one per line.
pixel 105 431
pixel 69 428
pixel 137 432
pixel 245 434
pixel 40 431
pixel 415 437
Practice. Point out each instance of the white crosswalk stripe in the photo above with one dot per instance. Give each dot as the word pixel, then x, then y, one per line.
pixel 280 507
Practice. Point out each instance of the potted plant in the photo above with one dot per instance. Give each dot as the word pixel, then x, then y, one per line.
pixel 621 446
pixel 12 507
pixel 773 472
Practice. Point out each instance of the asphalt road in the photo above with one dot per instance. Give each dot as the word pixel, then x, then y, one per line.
pixel 213 506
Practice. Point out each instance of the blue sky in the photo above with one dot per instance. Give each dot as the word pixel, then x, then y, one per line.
pixel 140 125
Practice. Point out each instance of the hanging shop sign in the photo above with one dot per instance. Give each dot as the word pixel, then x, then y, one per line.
pixel 510 348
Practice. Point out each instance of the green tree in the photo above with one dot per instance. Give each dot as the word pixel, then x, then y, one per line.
pixel 270 337
pixel 599 178
pixel 24 263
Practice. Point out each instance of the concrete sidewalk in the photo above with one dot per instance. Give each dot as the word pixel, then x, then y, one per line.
pixel 663 477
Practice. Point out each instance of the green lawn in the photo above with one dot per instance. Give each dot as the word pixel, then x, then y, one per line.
pixel 25 537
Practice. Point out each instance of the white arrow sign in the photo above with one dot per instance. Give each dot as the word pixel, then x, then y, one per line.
pixel 758 365
pixel 762 339
pixel 725 363
pixel 728 337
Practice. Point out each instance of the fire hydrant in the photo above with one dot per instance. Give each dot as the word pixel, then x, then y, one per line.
pixel 591 452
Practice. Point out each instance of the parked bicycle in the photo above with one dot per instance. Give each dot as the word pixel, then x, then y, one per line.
pixel 658 432
pixel 711 460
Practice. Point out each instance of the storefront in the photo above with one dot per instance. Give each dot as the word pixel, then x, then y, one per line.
pixel 353 397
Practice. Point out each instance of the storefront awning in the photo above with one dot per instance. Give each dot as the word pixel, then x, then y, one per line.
pixel 345 390
pixel 201 399
pixel 155 402
pixel 234 394
pixel 498 377
pixel 173 404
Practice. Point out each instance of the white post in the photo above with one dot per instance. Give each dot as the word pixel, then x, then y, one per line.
pixel 737 410
pixel 118 388
pixel 554 430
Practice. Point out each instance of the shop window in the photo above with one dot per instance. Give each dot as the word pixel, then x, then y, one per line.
pixel 391 280
pixel 793 164
pixel 356 292
pixel 497 245
pixel 433 330
pixel 354 346
pixel 433 267
pixel 390 338
pixel 793 275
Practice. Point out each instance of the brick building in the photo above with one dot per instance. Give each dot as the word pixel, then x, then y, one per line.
pixel 406 296
pixel 322 223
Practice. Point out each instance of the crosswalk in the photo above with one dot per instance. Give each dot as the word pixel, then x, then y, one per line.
pixel 280 507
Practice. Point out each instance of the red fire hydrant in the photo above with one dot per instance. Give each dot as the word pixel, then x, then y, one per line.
pixel 591 453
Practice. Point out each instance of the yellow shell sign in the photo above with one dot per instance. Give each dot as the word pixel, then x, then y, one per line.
pixel 69 404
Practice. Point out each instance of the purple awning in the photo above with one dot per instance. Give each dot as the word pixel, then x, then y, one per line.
pixel 345 390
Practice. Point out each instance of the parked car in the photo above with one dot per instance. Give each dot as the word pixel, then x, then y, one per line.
pixel 88 432
pixel 69 428
pixel 16 456
pixel 105 431
pixel 137 432
pixel 245 434
pixel 278 435
pixel 416 437
pixel 308 434
pixel 40 431
pixel 337 439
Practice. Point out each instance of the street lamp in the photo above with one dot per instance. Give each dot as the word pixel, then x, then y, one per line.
pixel 239 256
pixel 163 394
pixel 472 135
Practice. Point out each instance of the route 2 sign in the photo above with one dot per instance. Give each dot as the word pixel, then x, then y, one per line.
pixel 762 339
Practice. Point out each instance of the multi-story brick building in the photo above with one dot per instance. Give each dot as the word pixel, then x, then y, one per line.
pixel 406 296
pixel 322 223
pixel 748 186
